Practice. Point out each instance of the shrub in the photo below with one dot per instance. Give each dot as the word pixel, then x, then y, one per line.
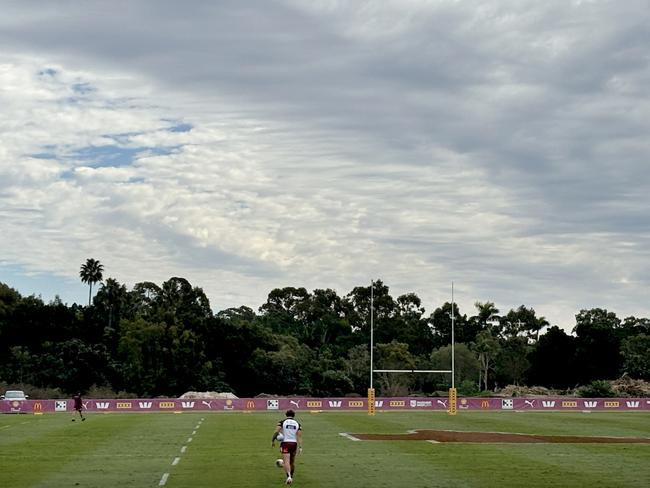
pixel 597 389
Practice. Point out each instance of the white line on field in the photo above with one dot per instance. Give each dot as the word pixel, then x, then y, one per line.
pixel 163 480
pixel 189 440
pixel 183 449
pixel 5 426
pixel 176 461
pixel 194 433
pixel 433 442
pixel 348 436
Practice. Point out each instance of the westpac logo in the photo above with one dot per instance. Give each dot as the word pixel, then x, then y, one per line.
pixel 102 405
pixel 566 404
pixel 612 404
pixel 379 403
pixel 548 403
pixel 145 405
pixel 590 404
pixel 166 405
pixel 314 404
pixel 123 405
pixel 187 404
pixel 632 404
pixel 355 404
pixel 335 403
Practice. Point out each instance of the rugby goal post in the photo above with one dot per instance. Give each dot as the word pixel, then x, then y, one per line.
pixel 452 409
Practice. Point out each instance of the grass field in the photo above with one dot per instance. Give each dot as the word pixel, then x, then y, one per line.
pixel 233 450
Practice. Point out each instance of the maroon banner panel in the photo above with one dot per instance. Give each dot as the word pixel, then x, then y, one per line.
pixel 326 404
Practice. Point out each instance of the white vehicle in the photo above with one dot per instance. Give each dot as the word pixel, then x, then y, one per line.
pixel 14 396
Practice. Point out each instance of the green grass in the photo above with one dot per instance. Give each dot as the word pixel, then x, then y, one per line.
pixel 233 450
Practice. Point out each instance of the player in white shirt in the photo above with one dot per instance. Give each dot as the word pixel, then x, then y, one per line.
pixel 291 442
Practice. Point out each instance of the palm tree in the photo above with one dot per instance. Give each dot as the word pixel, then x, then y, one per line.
pixel 91 272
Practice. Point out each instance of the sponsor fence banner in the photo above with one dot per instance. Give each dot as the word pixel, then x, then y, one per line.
pixel 358 404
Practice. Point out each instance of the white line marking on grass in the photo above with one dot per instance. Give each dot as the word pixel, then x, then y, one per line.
pixel 5 426
pixel 176 461
pixel 164 479
pixel 348 436
pixel 194 433
pixel 183 449
pixel 433 442
pixel 189 440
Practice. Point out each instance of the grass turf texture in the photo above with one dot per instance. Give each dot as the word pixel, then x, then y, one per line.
pixel 233 450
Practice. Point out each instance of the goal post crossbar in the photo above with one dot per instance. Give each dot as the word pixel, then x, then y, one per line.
pixel 412 370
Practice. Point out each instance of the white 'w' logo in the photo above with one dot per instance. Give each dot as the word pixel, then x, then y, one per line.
pixel 102 405
pixel 187 404
pixel 591 404
pixel 145 404
pixel 548 403
pixel 631 404
pixel 335 403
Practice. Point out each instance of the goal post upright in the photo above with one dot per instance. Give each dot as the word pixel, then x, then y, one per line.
pixel 452 391
pixel 371 389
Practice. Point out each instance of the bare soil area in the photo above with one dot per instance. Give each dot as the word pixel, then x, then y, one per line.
pixel 498 437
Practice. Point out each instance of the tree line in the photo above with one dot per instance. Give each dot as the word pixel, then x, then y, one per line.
pixel 165 339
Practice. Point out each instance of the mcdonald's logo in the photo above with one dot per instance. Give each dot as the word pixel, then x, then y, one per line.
pixel 396 403
pixel 250 405
pixel 355 404
pixel 123 405
pixel 612 404
pixel 485 404
pixel 38 407
pixel 314 404
pixel 566 404
pixel 166 405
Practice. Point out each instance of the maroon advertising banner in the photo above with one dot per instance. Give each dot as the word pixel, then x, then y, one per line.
pixel 326 404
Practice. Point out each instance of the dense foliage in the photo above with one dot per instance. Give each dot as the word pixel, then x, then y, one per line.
pixel 165 340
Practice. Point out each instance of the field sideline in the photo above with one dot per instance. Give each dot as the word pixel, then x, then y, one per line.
pixel 233 450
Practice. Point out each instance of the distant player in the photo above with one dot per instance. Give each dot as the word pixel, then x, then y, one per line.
pixel 78 406
pixel 291 444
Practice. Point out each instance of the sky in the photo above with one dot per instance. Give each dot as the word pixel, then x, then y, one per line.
pixel 250 145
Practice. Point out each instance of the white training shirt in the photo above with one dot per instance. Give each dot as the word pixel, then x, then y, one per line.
pixel 290 428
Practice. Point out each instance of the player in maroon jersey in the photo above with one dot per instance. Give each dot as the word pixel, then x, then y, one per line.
pixel 78 406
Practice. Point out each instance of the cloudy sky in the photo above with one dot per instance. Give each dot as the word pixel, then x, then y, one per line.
pixel 248 145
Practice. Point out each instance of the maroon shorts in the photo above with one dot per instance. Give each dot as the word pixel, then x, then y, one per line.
pixel 288 447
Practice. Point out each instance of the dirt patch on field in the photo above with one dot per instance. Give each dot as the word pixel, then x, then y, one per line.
pixel 494 437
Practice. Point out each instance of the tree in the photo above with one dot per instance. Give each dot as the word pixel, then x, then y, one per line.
pixel 553 360
pixel 394 355
pixel 487 348
pixel 91 273
pixel 636 354
pixel 441 321
pixel 598 333
pixel 466 368
pixel 523 322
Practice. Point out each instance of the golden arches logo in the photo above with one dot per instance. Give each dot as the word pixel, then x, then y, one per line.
pixel 250 405
pixel 485 404
pixel 38 407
